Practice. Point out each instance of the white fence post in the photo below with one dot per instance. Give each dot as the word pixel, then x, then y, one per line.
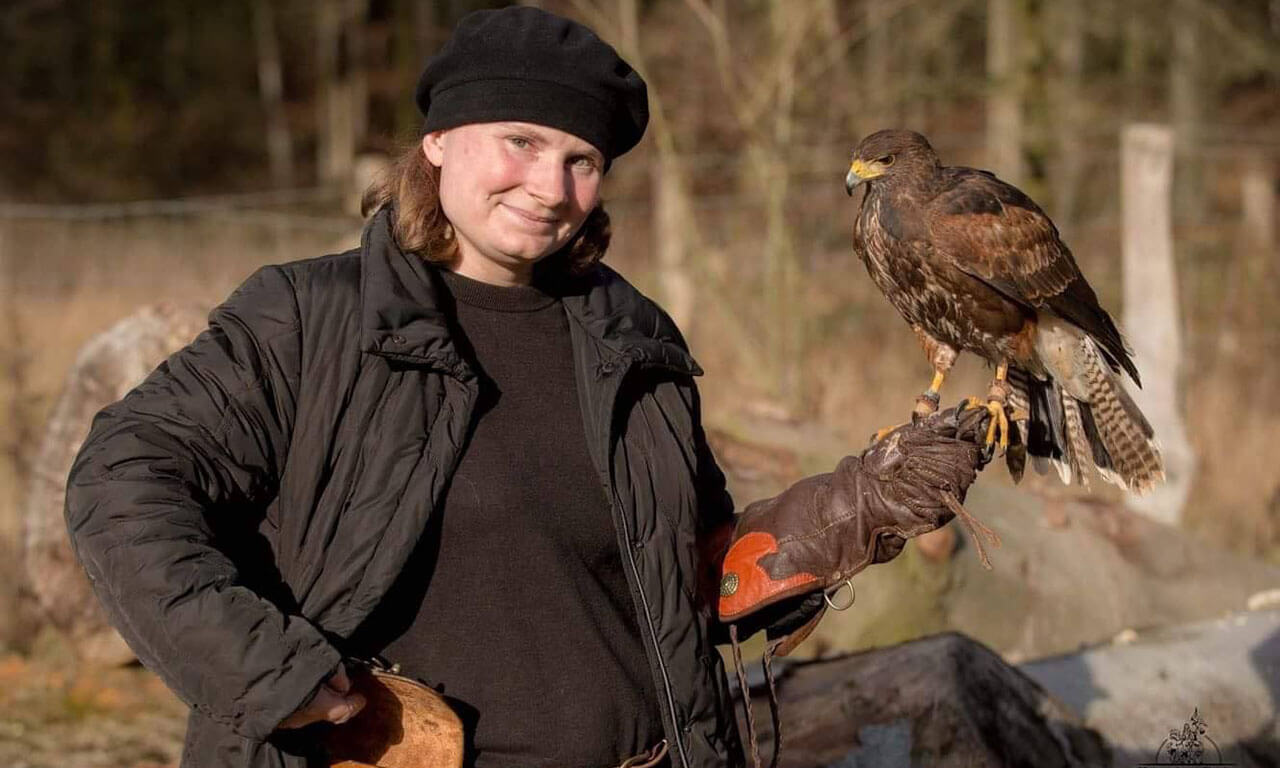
pixel 1151 320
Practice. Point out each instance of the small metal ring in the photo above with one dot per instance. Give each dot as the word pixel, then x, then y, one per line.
pixel 853 596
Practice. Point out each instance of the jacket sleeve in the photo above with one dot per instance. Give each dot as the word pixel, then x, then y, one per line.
pixel 206 434
pixel 716 520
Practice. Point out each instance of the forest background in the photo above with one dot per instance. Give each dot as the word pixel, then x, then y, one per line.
pixel 163 150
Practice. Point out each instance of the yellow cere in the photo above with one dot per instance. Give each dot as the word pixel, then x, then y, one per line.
pixel 863 170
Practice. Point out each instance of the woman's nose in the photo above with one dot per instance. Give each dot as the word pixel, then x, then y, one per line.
pixel 548 182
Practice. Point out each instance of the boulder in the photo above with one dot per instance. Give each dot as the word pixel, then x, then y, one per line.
pixel 107 367
pixel 1146 686
pixel 945 701
pixel 1074 570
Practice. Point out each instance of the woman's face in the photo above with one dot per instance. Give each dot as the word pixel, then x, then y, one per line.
pixel 514 193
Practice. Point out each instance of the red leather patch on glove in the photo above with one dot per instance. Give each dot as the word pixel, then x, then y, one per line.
pixel 747 587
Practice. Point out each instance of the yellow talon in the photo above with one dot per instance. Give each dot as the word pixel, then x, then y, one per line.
pixel 883 432
pixel 998 429
pixel 999 425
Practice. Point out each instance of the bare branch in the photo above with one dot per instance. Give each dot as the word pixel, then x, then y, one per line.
pixel 720 50
pixel 1244 43
pixel 840 44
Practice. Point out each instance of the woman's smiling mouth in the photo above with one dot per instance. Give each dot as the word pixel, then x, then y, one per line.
pixel 532 218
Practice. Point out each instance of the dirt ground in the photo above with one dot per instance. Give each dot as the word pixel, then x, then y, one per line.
pixel 54 714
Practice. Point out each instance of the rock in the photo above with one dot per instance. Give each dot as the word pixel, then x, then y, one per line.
pixel 1226 671
pixel 108 366
pixel 1265 600
pixel 1078 578
pixel 938 545
pixel 944 701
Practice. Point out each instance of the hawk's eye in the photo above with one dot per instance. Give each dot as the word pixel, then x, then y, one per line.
pixel 886 161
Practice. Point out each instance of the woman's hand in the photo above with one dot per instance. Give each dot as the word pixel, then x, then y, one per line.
pixel 334 702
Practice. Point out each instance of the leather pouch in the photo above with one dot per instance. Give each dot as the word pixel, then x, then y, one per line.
pixel 404 724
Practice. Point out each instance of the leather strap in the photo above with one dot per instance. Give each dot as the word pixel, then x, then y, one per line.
pixel 647 759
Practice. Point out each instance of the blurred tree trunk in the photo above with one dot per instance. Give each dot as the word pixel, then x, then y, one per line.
pixel 913 106
pixel 13 390
pixel 1134 62
pixel 763 103
pixel 1186 109
pixel 671 223
pixel 342 115
pixel 932 62
pixel 674 234
pixel 948 54
pixel 1151 314
pixel 1258 198
pixel 673 228
pixel 1069 109
pixel 271 88
pixel 875 112
pixel 782 273
pixel 832 122
pixel 1004 82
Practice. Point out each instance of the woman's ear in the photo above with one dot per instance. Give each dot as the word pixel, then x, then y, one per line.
pixel 433 147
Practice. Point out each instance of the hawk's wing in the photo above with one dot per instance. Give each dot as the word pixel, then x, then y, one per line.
pixel 994 232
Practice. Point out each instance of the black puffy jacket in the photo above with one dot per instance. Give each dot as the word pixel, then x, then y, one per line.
pixel 245 508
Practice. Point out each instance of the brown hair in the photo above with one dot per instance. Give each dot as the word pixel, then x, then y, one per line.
pixel 412 186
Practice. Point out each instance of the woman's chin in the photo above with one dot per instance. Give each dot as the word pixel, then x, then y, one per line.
pixel 531 250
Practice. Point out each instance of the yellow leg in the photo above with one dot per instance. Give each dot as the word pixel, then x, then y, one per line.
pixel 998 429
pixel 926 404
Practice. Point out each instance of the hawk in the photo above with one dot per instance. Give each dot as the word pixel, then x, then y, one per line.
pixel 974 265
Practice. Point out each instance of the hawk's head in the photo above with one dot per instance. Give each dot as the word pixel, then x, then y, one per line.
pixel 891 154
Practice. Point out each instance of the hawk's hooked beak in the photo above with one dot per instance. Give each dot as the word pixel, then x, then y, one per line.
pixel 858 173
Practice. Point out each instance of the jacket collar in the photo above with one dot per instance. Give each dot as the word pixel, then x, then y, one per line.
pixel 401 315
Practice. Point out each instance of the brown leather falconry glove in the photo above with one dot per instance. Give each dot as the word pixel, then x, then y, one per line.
pixel 824 529
pixel 788 552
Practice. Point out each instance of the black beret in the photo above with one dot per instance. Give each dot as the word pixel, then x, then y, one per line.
pixel 524 64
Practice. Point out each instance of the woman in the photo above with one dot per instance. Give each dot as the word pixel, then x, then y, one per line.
pixel 466 446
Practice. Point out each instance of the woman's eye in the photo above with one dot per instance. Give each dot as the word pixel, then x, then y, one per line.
pixel 519 142
pixel 584 163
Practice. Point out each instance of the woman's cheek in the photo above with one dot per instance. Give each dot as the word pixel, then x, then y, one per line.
pixel 587 194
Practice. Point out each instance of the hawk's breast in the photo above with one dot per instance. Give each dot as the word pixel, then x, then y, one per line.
pixel 927 290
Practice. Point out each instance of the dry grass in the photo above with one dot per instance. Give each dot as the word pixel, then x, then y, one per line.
pixel 54 713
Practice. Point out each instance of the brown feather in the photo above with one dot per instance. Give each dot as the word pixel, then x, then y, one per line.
pixel 1125 434
pixel 996 233
pixel 1078 451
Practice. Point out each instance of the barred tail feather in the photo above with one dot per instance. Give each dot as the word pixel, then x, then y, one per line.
pixel 1046 427
pixel 1082 417
pixel 1078 450
pixel 1122 431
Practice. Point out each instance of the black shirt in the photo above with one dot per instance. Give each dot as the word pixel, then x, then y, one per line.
pixel 516 604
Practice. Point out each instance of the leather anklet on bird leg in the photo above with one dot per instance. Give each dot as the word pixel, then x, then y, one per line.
pixel 927 401
pixel 926 405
